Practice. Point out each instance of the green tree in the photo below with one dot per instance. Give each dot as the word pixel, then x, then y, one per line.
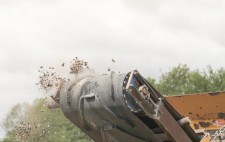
pixel 16 114
pixel 43 124
pixel 175 80
pixel 181 80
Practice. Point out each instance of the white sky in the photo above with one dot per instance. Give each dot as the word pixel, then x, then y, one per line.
pixel 147 35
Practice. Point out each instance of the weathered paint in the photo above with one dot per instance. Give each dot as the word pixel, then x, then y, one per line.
pixel 206 110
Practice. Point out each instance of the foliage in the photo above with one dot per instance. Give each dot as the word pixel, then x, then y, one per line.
pixel 45 125
pixel 16 114
pixel 182 80
pixel 10 137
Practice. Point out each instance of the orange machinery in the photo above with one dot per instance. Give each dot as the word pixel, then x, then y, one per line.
pixel 205 110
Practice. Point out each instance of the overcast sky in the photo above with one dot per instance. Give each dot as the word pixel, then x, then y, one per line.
pixel 147 35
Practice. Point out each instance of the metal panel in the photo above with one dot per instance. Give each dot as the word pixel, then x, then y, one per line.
pixel 206 110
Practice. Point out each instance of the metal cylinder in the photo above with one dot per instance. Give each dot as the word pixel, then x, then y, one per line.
pixel 98 106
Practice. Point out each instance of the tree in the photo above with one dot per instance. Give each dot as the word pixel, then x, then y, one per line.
pixel 181 80
pixel 43 124
pixel 16 114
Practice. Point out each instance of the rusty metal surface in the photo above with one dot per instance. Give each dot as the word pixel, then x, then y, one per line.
pixel 172 127
pixel 158 110
pixel 206 110
pixel 206 138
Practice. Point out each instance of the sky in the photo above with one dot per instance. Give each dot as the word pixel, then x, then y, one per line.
pixel 149 35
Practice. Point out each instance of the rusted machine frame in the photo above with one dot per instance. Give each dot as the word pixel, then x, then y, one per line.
pixel 164 114
pixel 114 108
pixel 206 110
